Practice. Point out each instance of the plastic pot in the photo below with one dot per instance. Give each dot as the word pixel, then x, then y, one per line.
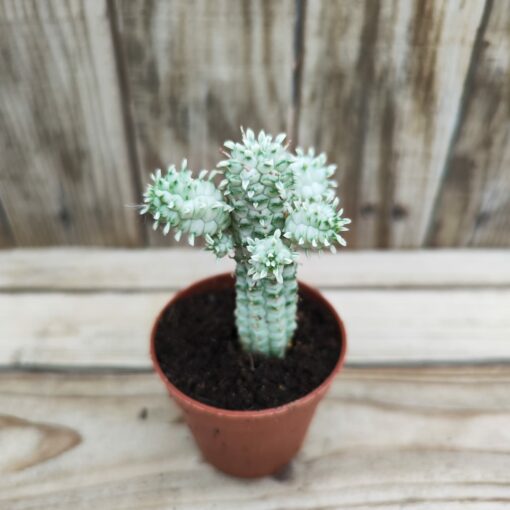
pixel 248 443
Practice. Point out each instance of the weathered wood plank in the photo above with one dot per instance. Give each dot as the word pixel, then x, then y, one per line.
pixel 428 438
pixel 382 85
pixel 474 202
pixel 384 326
pixel 6 236
pixel 198 70
pixel 64 175
pixel 102 269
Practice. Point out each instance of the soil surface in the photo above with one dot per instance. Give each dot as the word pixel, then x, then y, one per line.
pixel 199 351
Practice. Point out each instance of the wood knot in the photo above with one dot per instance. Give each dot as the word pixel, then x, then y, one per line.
pixel 482 218
pixel 399 212
pixel 368 210
pixel 35 442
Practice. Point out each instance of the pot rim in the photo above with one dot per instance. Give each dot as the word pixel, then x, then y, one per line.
pixel 258 413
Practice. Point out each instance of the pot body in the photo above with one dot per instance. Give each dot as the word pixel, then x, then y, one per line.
pixel 248 443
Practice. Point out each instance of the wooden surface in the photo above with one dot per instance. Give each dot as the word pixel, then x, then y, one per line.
pixel 473 205
pixel 392 438
pixel 384 326
pixel 180 58
pixel 383 104
pixel 65 176
pixel 419 419
pixel 71 305
pixel 409 98
pixel 78 269
pixel 198 70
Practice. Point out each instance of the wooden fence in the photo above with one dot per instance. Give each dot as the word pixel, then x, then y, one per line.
pixel 411 98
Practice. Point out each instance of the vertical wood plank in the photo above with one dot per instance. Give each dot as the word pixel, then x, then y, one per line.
pixel 64 175
pixel 6 236
pixel 473 208
pixel 198 70
pixel 297 72
pixel 382 86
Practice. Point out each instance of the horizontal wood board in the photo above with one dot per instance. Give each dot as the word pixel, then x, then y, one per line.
pixel 419 439
pixel 64 269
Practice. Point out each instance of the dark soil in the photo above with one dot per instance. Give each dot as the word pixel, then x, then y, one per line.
pixel 198 349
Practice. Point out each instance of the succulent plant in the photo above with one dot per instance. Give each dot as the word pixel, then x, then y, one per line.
pixel 269 204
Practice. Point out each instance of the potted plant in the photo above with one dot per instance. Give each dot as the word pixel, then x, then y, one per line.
pixel 249 356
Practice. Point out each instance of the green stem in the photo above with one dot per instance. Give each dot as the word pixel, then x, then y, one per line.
pixel 266 312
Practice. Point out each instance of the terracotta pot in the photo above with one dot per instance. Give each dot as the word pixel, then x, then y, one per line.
pixel 248 443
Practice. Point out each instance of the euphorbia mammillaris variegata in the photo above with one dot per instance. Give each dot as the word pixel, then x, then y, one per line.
pixel 269 204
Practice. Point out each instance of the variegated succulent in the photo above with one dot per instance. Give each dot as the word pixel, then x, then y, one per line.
pixel 269 204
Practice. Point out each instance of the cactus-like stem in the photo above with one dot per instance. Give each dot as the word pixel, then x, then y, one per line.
pixel 257 175
pixel 190 206
pixel 269 204
pixel 266 312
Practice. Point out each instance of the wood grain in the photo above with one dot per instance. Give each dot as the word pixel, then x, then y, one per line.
pixel 64 175
pixel 199 70
pixel 76 269
pixel 410 99
pixel 474 202
pixel 382 87
pixel 420 438
pixel 384 326
pixel 6 235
